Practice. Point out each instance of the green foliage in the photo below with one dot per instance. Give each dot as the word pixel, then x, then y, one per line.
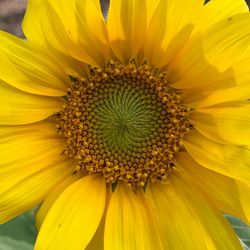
pixel 242 230
pixel 19 233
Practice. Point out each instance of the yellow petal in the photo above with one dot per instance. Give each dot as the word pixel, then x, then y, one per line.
pixel 151 8
pixel 18 161
pixel 169 29
pixel 244 190
pixel 80 24
pixel 126 26
pixel 30 191
pixel 216 10
pixel 231 196
pixel 18 107
pixel 32 26
pixel 97 242
pixel 16 156
pixel 31 164
pixel 173 216
pixel 228 125
pixel 92 31
pixel 45 129
pixel 128 223
pixel 52 197
pixel 74 218
pixel 30 69
pixel 208 54
pixel 219 234
pixel 231 85
pixel 230 160
pixel 72 66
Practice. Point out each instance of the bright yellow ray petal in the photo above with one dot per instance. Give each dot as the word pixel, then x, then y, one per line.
pixel 52 197
pixel 97 242
pixel 220 95
pixel 228 125
pixel 28 68
pixel 18 107
pixel 216 10
pixel 71 66
pixel 126 26
pixel 39 30
pixel 89 15
pixel 230 160
pixel 32 27
pixel 31 164
pixel 81 17
pixel 128 224
pixel 169 29
pixel 81 26
pixel 151 8
pixel 45 129
pixel 231 85
pixel 41 26
pixel 244 190
pixel 74 218
pixel 18 161
pixel 155 33
pixel 173 216
pixel 219 234
pixel 208 54
pixel 230 196
pixel 31 190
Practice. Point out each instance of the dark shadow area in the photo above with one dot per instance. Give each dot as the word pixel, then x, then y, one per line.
pixel 105 6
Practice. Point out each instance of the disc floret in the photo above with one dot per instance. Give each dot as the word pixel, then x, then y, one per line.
pixel 125 122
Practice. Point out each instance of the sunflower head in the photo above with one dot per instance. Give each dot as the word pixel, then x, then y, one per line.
pixel 125 122
pixel 131 131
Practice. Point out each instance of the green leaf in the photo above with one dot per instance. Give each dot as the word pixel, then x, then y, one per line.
pixel 19 233
pixel 7 243
pixel 242 230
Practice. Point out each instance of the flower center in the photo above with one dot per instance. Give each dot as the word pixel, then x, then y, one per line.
pixel 124 122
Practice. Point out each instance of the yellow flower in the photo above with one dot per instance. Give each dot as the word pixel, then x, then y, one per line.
pixel 131 132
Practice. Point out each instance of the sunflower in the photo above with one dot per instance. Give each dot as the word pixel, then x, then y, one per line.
pixel 130 132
